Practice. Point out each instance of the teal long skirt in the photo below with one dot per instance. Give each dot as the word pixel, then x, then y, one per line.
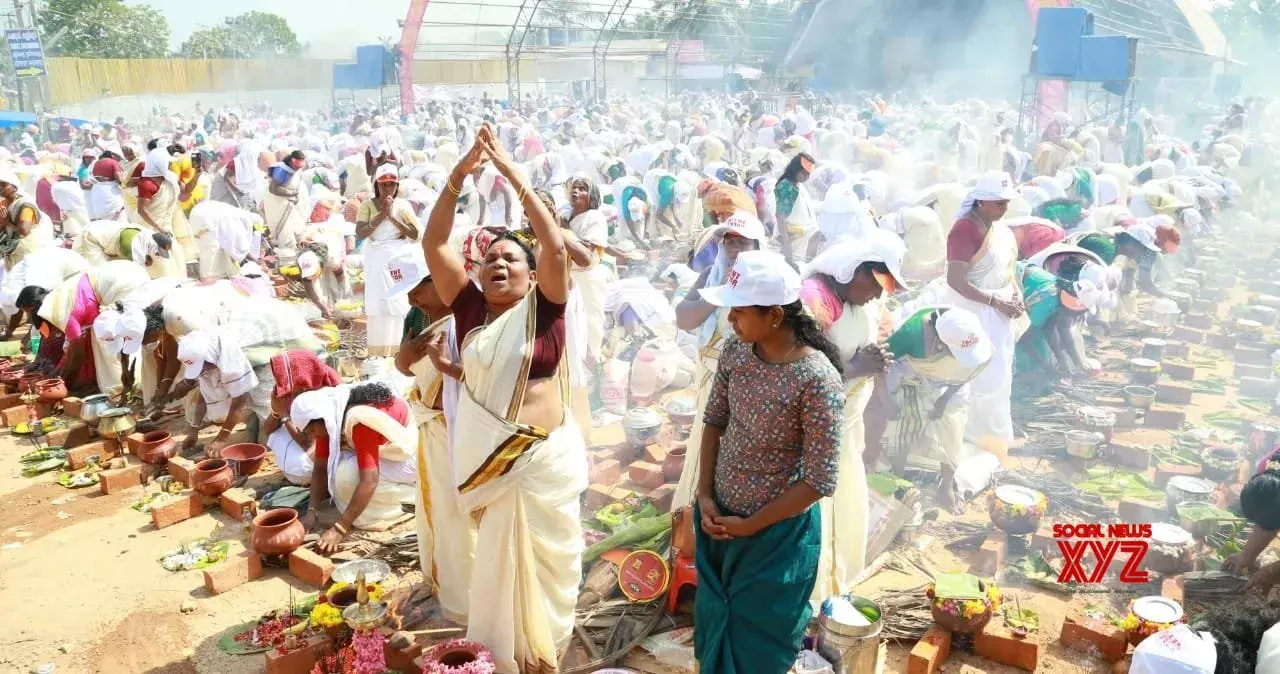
pixel 752 604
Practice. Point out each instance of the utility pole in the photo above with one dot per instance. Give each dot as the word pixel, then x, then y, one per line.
pixel 22 23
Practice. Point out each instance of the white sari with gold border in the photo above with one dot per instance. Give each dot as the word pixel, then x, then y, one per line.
pixel 523 485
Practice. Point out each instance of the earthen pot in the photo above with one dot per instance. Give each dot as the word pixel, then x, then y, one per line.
pixel 212 477
pixel 245 457
pixel 673 465
pixel 51 390
pixel 28 381
pixel 277 532
pixel 157 447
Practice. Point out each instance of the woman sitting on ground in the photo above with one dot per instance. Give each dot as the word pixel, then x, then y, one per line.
pixel 370 483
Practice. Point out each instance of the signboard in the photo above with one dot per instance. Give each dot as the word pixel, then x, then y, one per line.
pixel 26 52
pixel 686 51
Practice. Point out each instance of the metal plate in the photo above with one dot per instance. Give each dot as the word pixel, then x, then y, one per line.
pixel 375 571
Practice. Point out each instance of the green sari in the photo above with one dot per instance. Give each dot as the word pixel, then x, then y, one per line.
pixel 752 605
pixel 1040 295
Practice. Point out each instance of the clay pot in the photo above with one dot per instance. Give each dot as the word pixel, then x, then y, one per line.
pixel 28 381
pixel 673 465
pixel 245 457
pixel 157 447
pixel 277 532
pixel 51 390
pixel 212 477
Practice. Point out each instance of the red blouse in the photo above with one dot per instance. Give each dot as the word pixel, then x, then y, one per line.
pixel 365 440
pixel 469 312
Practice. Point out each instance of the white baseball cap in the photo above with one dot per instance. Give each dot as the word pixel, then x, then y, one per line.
pixel 1145 234
pixel 405 270
pixel 758 279
pixel 131 329
pixel 994 186
pixel 309 265
pixel 962 332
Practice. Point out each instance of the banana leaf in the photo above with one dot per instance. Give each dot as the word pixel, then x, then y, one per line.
pixel 44 454
pixel 45 466
pixel 1119 484
pixel 887 484
pixel 78 479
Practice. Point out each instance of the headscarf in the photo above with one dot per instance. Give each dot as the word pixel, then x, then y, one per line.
pixel 722 199
pixel 299 371
pixel 157 166
pixel 234 372
pixel 1102 245
pixel 330 406
pixel 708 252
pixel 1108 190
pixel 106 328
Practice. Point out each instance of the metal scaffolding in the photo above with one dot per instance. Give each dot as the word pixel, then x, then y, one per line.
pixel 591 33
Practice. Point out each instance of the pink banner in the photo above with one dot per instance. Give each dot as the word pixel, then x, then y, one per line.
pixel 1054 94
pixel 409 45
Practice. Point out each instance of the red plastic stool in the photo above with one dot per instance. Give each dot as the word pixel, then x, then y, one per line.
pixel 684 572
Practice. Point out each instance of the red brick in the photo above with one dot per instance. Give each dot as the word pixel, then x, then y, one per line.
pixel 14 415
pixel 1000 645
pixel 647 475
pixel 655 453
pixel 625 453
pixel 113 481
pixel 299 661
pixel 134 442
pixel 1222 341
pixel 662 497
pixel 10 400
pixel 991 555
pixel 1164 471
pixel 237 502
pixel 79 457
pixel 1163 416
pixel 1177 350
pixel 181 509
pixel 1179 370
pixel 71 406
pixel 309 567
pixel 931 652
pixel 1130 456
pixel 607 472
pixel 1259 371
pixel 78 433
pixel 1172 588
pixel 1258 387
pixel 1133 511
pixel 234 571
pixel 598 496
pixel 617 493
pixel 1188 335
pixel 44 409
pixel 1094 636
pixel 1174 394
pixel 181 469
pixel 1043 540
pixel 1198 321
pixel 1249 355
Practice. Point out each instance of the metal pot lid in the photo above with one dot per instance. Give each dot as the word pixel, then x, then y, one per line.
pixel 1193 485
pixel 1247 324
pixel 375 570
pixel 1157 609
pixel 682 405
pixel 1016 495
pixel 1143 362
pixel 95 399
pixel 1154 341
pixel 115 412
pixel 1164 533
pixel 641 417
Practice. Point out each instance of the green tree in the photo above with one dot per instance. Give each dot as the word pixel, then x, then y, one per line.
pixel 248 35
pixel 737 28
pixel 104 29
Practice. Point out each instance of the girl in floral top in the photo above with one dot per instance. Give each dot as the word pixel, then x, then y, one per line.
pixel 769 451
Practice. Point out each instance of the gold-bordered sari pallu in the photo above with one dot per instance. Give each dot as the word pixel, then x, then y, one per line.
pixel 522 483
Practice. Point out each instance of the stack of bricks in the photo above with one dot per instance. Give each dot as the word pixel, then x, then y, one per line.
pixel 619 470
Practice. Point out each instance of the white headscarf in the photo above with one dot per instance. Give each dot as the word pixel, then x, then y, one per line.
pixel 235 373
pixel 157 166
pixel 106 328
pixel 330 406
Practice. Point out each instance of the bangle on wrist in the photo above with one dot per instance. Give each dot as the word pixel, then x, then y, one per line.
pixel 341 529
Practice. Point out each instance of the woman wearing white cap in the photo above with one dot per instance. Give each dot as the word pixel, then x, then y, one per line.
pixel 365 455
pixel 231 366
pixel 937 352
pixel 388 224
pixel 842 292
pixel 770 450
pixel 981 254
pixel 713 258
pixel 523 467
pixel 26 228
pixel 225 238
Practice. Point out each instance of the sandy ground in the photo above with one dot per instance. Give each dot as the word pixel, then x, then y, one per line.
pixel 83 588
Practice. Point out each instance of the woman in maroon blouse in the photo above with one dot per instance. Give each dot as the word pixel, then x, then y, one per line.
pixel 519 461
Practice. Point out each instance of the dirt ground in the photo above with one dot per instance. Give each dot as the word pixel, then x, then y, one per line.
pixel 83 588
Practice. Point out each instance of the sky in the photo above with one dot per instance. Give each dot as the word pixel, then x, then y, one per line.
pixel 331 28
